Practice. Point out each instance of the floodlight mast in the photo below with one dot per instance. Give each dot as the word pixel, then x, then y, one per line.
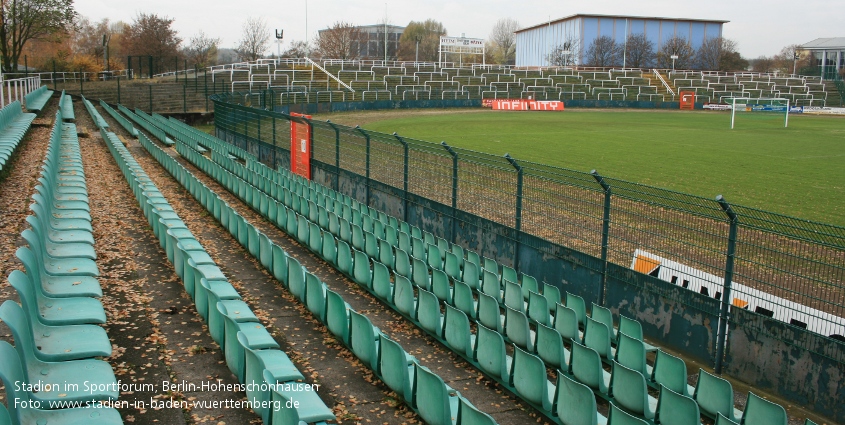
pixel 279 36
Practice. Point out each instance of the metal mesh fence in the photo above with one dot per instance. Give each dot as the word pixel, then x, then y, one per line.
pixel 789 269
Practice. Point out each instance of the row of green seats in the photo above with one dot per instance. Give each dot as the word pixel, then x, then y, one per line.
pixel 14 124
pixel 601 337
pixel 66 107
pixel 55 363
pixel 248 348
pixel 400 371
pixel 99 122
pixel 120 119
pixel 355 330
pixel 37 99
pixel 146 125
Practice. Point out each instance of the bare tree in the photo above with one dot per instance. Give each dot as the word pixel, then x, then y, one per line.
pixel 427 34
pixel 565 54
pixel 677 46
pixel 763 64
pixel 26 20
pixel 297 49
pixel 733 61
pixel 603 51
pixel 340 41
pixel 639 51
pixel 792 58
pixel 709 54
pixel 503 39
pixel 255 40
pixel 202 50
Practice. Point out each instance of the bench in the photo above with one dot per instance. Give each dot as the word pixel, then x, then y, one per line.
pixel 37 98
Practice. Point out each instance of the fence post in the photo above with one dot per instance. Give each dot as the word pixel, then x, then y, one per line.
pixel 336 155
pixel 81 87
pixel 205 88
pixel 151 67
pixel 518 224
pixel 118 89
pixel 605 230
pixel 404 175
pixel 729 274
pixel 367 136
pixel 151 96
pixel 185 97
pixel 454 187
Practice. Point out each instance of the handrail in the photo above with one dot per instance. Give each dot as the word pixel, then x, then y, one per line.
pixel 662 80
pixel 330 75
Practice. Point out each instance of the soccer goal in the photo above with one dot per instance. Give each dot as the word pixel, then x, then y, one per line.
pixel 761 107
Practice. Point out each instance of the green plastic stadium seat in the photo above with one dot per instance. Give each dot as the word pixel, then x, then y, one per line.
pixel 428 312
pixel 585 365
pixel 277 365
pixel 528 376
pixel 671 372
pixel 56 343
pixel 597 337
pixel 404 240
pixel 470 415
pixel 617 416
pixel 463 299
pixel 364 339
pixel 715 395
pixel 329 248
pixel 604 315
pixel 492 266
pixel 434 257
pixel 358 241
pixel 420 277
pixel 5 419
pixel 386 255
pixel 280 265
pixel 631 354
pixel 381 282
pixel 440 401
pixel 56 311
pixel 674 408
pixel 11 372
pixel 315 296
pixel 577 304
pixel 551 292
pixel 396 367
pixel 489 314
pixel 566 323
pixel 337 316
pixel 722 420
pixel 440 286
pixel 513 296
pixel 509 274
pixel 403 263
pixel 453 266
pixel 96 372
pixel 371 245
pixel 550 348
pixel 403 295
pixel 576 403
pixel 538 309
pixel 344 258
pixel 529 284
pixel 457 332
pixel 634 329
pixel 490 285
pixel 629 390
pixel 362 273
pixel 491 353
pixel 309 409
pixel 759 411
pixel 472 274
pixel 517 329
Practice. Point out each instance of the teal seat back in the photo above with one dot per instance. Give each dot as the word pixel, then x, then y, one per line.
pixel 490 352
pixel 315 296
pixel 528 376
pixel 576 403
pixel 585 364
pixel 566 322
pixel 329 248
pixel 617 416
pixel 395 366
pixel 430 391
pixel 457 332
pixel 381 282
pixel 674 408
pixel 469 415
pixel 452 266
pixel 5 419
pixel 435 261
pixel 517 329
pixel 631 354
pixel 420 273
pixel 490 284
pixel 714 395
pixel 344 258
pixel 337 316
pixel 631 327
pixel 362 272
pixel 722 420
pixel 669 371
pixel 403 295
pixel 550 347
pixel 428 312
pixel 463 300
pixel 296 279
pixel 577 304
pixel 538 309
pixel 551 292
pixel 364 339
pixel 597 337
pixel 510 274
pixel 403 263
pixel 11 373
pixel 602 315
pixel 440 285
pixel 513 296
pixel 759 411
pixel 489 314
pixel 471 274
pixel 628 389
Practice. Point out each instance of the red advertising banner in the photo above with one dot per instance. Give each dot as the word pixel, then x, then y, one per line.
pixel 526 105
pixel 300 147
pixel 688 100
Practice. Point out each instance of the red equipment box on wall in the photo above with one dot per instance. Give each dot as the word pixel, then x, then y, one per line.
pixel 300 146
pixel 688 100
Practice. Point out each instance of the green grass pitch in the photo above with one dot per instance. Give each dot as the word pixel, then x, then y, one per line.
pixel 797 171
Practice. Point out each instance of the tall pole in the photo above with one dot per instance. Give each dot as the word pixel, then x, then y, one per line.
pixel 385 34
pixel 306 24
pixel 625 46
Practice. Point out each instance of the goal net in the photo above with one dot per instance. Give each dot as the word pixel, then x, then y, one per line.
pixel 772 108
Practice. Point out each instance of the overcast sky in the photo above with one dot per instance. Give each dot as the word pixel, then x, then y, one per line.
pixel 759 27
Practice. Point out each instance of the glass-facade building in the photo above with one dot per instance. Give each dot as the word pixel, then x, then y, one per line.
pixel 828 55
pixel 534 43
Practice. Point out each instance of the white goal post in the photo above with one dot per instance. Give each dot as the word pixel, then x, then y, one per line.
pixel 765 105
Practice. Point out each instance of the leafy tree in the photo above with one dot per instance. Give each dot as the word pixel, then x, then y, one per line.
pixel 786 58
pixel 733 61
pixel 503 40
pixel 764 64
pixel 25 20
pixel 676 46
pixel 341 41
pixel 603 51
pixel 565 54
pixel 151 35
pixel 255 40
pixel 202 50
pixel 428 34
pixel 639 51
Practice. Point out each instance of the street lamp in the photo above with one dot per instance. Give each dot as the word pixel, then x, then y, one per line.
pixel 279 35
pixel 417 38
pixel 106 38
pixel 795 57
pixel 673 61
